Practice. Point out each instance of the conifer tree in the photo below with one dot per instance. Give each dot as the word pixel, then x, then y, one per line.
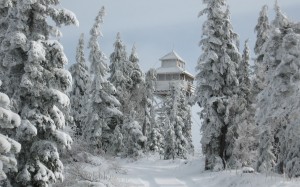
pixel 129 81
pixel 262 29
pixel 170 142
pixel 150 128
pixel 103 105
pixel 134 140
pixel 217 83
pixel 245 147
pixel 135 73
pixel 119 75
pixel 285 97
pixel 186 115
pixel 137 99
pixel 13 44
pixel 8 147
pixel 38 83
pixel 158 137
pixel 5 9
pixel 276 103
pixel 117 146
pixel 81 85
pixel 176 114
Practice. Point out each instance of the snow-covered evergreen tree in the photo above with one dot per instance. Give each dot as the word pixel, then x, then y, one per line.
pixel 262 29
pixel 119 72
pixel 148 103
pixel 134 140
pixel 217 83
pixel 278 103
pixel 177 115
pixel 103 104
pixel 151 129
pixel 244 150
pixel 12 49
pixel 5 8
pixel 158 136
pixel 8 147
pixel 117 146
pixel 156 139
pixel 129 81
pixel 170 142
pixel 38 86
pixel 119 77
pixel 81 85
pixel 133 57
pixel 135 73
pixel 127 77
pixel 137 100
pixel 186 115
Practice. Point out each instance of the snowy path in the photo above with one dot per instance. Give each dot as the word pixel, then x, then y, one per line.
pixel 162 173
pixel 179 173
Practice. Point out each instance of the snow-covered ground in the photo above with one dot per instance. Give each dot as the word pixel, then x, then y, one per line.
pixel 153 172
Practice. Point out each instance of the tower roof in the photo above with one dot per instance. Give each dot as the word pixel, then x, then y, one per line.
pixel 172 56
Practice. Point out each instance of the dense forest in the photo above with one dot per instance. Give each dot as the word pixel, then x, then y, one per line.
pixel 52 117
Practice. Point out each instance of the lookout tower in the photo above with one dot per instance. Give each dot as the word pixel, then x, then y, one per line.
pixel 172 70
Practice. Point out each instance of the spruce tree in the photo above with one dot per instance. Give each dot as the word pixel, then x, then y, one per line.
pixel 176 114
pixel 5 9
pixel 136 98
pixel 103 106
pixel 217 83
pixel 150 128
pixel 262 29
pixel 117 146
pixel 186 115
pixel 134 140
pixel 158 138
pixel 119 75
pixel 276 102
pixel 38 83
pixel 80 88
pixel 245 147
pixel 13 47
pixel 8 147
pixel 285 103
pixel 129 81
pixel 135 73
pixel 170 142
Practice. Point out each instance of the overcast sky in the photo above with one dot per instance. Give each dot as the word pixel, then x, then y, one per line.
pixel 158 26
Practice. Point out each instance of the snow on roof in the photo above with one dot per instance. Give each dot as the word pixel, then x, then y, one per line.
pixel 175 69
pixel 170 70
pixel 172 56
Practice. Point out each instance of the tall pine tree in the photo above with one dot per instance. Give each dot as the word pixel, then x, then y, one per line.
pixel 8 147
pixel 217 83
pixel 136 98
pixel 245 147
pixel 177 114
pixel 151 129
pixel 279 100
pixel 103 105
pixel 263 31
pixel 270 130
pixel 80 88
pixel 38 86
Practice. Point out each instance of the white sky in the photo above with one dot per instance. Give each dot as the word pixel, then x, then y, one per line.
pixel 158 26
